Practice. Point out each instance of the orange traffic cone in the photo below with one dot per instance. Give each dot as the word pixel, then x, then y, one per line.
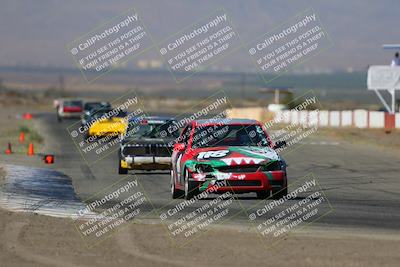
pixel 8 150
pixel 21 137
pixel 31 151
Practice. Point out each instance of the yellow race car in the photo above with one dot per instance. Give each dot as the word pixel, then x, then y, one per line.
pixel 107 122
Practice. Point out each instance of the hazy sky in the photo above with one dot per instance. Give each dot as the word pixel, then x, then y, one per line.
pixel 36 32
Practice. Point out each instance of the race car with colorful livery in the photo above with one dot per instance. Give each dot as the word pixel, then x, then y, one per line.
pixel 147 144
pixel 237 151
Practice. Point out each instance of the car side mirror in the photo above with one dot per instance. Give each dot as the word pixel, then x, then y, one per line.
pixel 179 147
pixel 280 144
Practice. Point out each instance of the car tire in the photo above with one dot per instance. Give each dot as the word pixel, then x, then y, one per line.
pixel 87 135
pixel 263 194
pixel 279 194
pixel 176 193
pixel 190 187
pixel 121 170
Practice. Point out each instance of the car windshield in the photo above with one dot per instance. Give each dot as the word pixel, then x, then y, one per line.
pixel 97 114
pixel 95 105
pixel 73 103
pixel 148 129
pixel 229 135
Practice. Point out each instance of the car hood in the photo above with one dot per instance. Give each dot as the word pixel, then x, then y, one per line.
pixel 234 155
pixel 111 120
pixel 112 124
pixel 148 141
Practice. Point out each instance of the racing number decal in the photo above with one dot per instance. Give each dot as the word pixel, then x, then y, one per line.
pixel 213 154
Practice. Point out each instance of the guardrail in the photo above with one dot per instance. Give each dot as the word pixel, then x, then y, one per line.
pixel 359 118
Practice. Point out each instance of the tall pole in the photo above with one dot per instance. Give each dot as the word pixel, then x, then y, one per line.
pixel 393 101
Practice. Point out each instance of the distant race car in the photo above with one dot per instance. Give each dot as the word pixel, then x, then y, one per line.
pixel 89 108
pixel 68 108
pixel 147 144
pixel 106 122
pixel 237 152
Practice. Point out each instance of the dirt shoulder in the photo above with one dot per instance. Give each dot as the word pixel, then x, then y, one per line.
pixel 35 240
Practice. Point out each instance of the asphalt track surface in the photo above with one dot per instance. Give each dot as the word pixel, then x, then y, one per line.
pixel 361 182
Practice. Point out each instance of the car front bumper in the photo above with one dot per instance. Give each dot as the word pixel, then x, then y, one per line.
pixel 243 182
pixel 70 115
pixel 104 133
pixel 146 162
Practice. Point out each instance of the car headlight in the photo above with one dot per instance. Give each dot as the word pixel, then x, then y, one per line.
pixel 274 166
pixel 203 168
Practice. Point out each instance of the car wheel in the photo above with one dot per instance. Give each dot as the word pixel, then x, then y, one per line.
pixel 279 194
pixel 121 170
pixel 176 193
pixel 87 136
pixel 263 194
pixel 190 187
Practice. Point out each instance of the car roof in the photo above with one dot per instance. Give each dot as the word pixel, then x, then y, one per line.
pixel 69 99
pixel 161 118
pixel 225 121
pixel 97 105
pixel 97 102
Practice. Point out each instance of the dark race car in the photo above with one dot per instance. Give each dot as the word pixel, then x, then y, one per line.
pixel 235 151
pixel 147 144
pixel 89 108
